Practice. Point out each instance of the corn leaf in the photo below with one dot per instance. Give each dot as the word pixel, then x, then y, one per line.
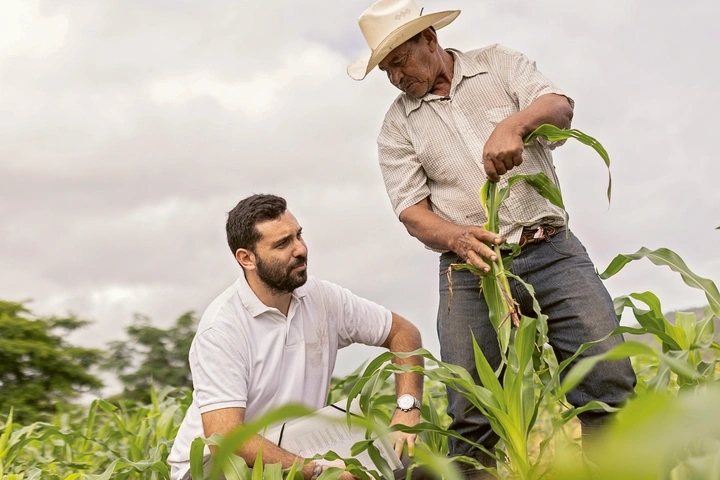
pixel 487 375
pixel 6 435
pixel 555 134
pixel 442 466
pixel 228 445
pixel 498 310
pixel 273 471
pixel 667 257
pixel 258 467
pixel 624 350
pixel 196 459
pixel 542 184
pixel 541 318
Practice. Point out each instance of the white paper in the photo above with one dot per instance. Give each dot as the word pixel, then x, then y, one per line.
pixel 325 430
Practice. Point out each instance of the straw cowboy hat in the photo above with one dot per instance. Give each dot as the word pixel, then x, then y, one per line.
pixel 389 23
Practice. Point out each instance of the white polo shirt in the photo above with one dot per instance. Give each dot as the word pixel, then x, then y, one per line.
pixel 246 354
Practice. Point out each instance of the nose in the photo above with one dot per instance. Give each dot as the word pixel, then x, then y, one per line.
pixel 395 76
pixel 300 249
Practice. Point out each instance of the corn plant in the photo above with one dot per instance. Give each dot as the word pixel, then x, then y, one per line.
pixel 515 405
pixel 105 441
pixel 655 436
pixel 494 284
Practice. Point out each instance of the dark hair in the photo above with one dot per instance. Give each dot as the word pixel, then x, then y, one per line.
pixel 240 226
pixel 416 37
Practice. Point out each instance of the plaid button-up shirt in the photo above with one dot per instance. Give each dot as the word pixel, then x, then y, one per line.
pixel 432 147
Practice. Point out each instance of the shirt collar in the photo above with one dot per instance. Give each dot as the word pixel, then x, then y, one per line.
pixel 251 301
pixel 464 67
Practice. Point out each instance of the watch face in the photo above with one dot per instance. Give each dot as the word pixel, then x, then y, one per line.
pixel 405 402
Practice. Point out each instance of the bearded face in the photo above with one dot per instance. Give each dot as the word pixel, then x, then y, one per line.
pixel 281 277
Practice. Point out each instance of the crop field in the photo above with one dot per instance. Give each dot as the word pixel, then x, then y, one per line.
pixel 670 428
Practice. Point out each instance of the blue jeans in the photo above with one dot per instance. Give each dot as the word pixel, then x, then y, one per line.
pixel 579 309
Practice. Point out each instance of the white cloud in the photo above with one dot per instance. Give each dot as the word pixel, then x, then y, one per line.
pixel 256 96
pixel 129 128
pixel 25 31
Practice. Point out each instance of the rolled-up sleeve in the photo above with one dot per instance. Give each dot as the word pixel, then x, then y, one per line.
pixel 403 173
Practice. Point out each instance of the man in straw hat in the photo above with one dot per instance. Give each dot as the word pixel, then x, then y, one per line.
pixel 462 118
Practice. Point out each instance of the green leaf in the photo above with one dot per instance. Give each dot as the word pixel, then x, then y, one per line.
pixel 498 311
pixel 382 465
pixel 6 435
pixel 664 256
pixel 705 330
pixel 467 266
pixel 624 350
pixel 519 379
pixel 196 459
pixel 229 445
pixel 547 189
pixel 257 471
pixel 273 471
pixel 487 374
pixel 332 473
pixel 555 134
pixel 687 323
pixel 542 326
pixel 542 184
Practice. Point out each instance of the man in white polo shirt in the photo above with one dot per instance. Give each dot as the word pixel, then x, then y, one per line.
pixel 272 338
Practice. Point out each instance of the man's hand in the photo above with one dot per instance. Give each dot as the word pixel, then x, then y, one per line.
pixel 503 150
pixel 468 242
pixel 399 439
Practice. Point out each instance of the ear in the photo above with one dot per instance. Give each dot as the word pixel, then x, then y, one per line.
pixel 245 258
pixel 431 38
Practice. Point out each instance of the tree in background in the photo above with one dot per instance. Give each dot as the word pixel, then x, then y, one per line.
pixel 152 354
pixel 39 370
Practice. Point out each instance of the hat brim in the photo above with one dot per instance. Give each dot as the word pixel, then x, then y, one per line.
pixel 359 69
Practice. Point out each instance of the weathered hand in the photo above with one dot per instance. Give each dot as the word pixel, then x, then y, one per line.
pixel 469 244
pixel 503 150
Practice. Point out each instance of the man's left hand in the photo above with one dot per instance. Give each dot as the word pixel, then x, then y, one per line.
pixel 503 150
pixel 399 439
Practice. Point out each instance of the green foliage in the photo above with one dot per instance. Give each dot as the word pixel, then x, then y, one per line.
pixel 555 134
pixel 656 436
pixel 100 442
pixel 39 370
pixel 665 257
pixel 669 430
pixel 152 355
pixel 494 284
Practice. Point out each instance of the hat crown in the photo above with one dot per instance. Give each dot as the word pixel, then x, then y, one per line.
pixel 384 17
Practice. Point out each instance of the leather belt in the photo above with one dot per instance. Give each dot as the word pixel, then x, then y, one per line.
pixel 535 235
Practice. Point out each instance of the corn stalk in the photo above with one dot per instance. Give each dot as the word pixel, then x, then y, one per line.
pixel 502 307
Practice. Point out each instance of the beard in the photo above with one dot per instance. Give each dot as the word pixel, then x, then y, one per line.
pixel 280 278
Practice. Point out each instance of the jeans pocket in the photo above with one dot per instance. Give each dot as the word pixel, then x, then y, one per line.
pixel 569 246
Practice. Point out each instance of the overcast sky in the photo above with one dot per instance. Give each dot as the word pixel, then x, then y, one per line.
pixel 129 128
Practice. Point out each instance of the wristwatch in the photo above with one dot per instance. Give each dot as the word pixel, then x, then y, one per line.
pixel 407 402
